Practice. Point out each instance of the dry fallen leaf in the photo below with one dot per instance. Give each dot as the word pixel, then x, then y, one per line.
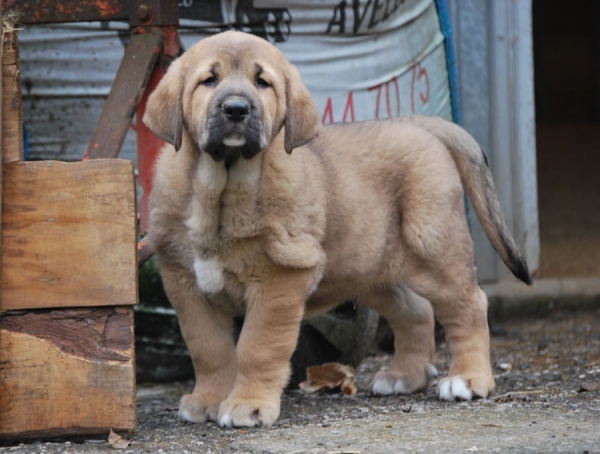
pixel 329 376
pixel 116 441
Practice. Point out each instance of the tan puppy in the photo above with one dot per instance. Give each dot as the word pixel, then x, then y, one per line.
pixel 373 211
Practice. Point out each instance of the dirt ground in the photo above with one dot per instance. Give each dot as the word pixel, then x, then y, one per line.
pixel 547 400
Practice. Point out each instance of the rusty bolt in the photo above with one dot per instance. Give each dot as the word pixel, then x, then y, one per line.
pixel 144 12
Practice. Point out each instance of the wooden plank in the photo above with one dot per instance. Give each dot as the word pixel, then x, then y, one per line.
pixel 67 372
pixel 12 104
pixel 1 142
pixel 69 234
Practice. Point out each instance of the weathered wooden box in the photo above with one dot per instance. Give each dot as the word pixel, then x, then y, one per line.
pixel 67 363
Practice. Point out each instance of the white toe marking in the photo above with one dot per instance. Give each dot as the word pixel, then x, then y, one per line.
pixel 454 388
pixel 460 389
pixel 209 275
pixel 185 415
pixel 225 421
pixel 234 140
pixel 445 390
pixel 382 387
pixel 400 387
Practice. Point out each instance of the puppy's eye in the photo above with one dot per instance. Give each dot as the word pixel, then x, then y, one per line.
pixel 209 81
pixel 262 83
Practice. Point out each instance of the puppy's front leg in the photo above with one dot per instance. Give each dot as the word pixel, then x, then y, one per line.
pixel 275 306
pixel 208 335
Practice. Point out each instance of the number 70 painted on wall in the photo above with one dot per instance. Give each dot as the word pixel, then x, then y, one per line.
pixel 385 100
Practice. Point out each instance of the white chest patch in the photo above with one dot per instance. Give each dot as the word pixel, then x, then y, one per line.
pixel 209 275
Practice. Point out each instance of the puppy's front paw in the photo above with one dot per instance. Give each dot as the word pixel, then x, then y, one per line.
pixel 192 408
pixel 393 382
pixel 458 387
pixel 248 412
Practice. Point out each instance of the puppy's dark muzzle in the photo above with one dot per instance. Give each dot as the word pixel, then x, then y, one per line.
pixel 235 111
pixel 234 127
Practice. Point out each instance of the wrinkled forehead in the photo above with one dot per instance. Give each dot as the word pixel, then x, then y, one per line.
pixel 234 52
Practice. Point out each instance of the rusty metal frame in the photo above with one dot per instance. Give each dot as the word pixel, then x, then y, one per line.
pixel 136 12
pixel 55 11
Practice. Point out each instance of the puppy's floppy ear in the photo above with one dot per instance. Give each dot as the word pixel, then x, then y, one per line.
pixel 302 117
pixel 164 111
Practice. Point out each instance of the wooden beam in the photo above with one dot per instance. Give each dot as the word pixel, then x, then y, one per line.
pixel 12 104
pixel 69 234
pixel 1 141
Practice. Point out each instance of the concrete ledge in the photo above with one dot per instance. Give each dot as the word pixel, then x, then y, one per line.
pixel 513 298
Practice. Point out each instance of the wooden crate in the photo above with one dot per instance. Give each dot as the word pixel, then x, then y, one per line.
pixel 69 280
pixel 69 240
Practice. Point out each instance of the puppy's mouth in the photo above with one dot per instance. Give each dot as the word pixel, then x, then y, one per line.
pixel 233 147
pixel 234 140
pixel 228 141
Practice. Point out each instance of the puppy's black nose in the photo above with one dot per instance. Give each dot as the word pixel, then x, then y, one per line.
pixel 236 111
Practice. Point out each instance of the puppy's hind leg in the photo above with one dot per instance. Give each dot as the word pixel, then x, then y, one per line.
pixel 411 319
pixel 448 281
pixel 439 266
pixel 462 311
pixel 208 335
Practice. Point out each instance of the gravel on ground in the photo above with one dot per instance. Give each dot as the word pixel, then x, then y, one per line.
pixel 547 371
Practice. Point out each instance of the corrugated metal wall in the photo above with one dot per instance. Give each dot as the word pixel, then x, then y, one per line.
pixel 361 60
pixel 66 74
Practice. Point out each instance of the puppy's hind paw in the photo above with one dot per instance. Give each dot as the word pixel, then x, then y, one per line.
pixel 390 382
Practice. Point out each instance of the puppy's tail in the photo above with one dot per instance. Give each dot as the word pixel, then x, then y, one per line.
pixel 479 185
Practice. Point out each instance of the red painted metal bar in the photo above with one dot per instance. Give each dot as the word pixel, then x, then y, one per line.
pixel 145 251
pixel 148 144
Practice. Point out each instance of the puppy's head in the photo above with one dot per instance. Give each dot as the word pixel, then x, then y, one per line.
pixel 232 94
